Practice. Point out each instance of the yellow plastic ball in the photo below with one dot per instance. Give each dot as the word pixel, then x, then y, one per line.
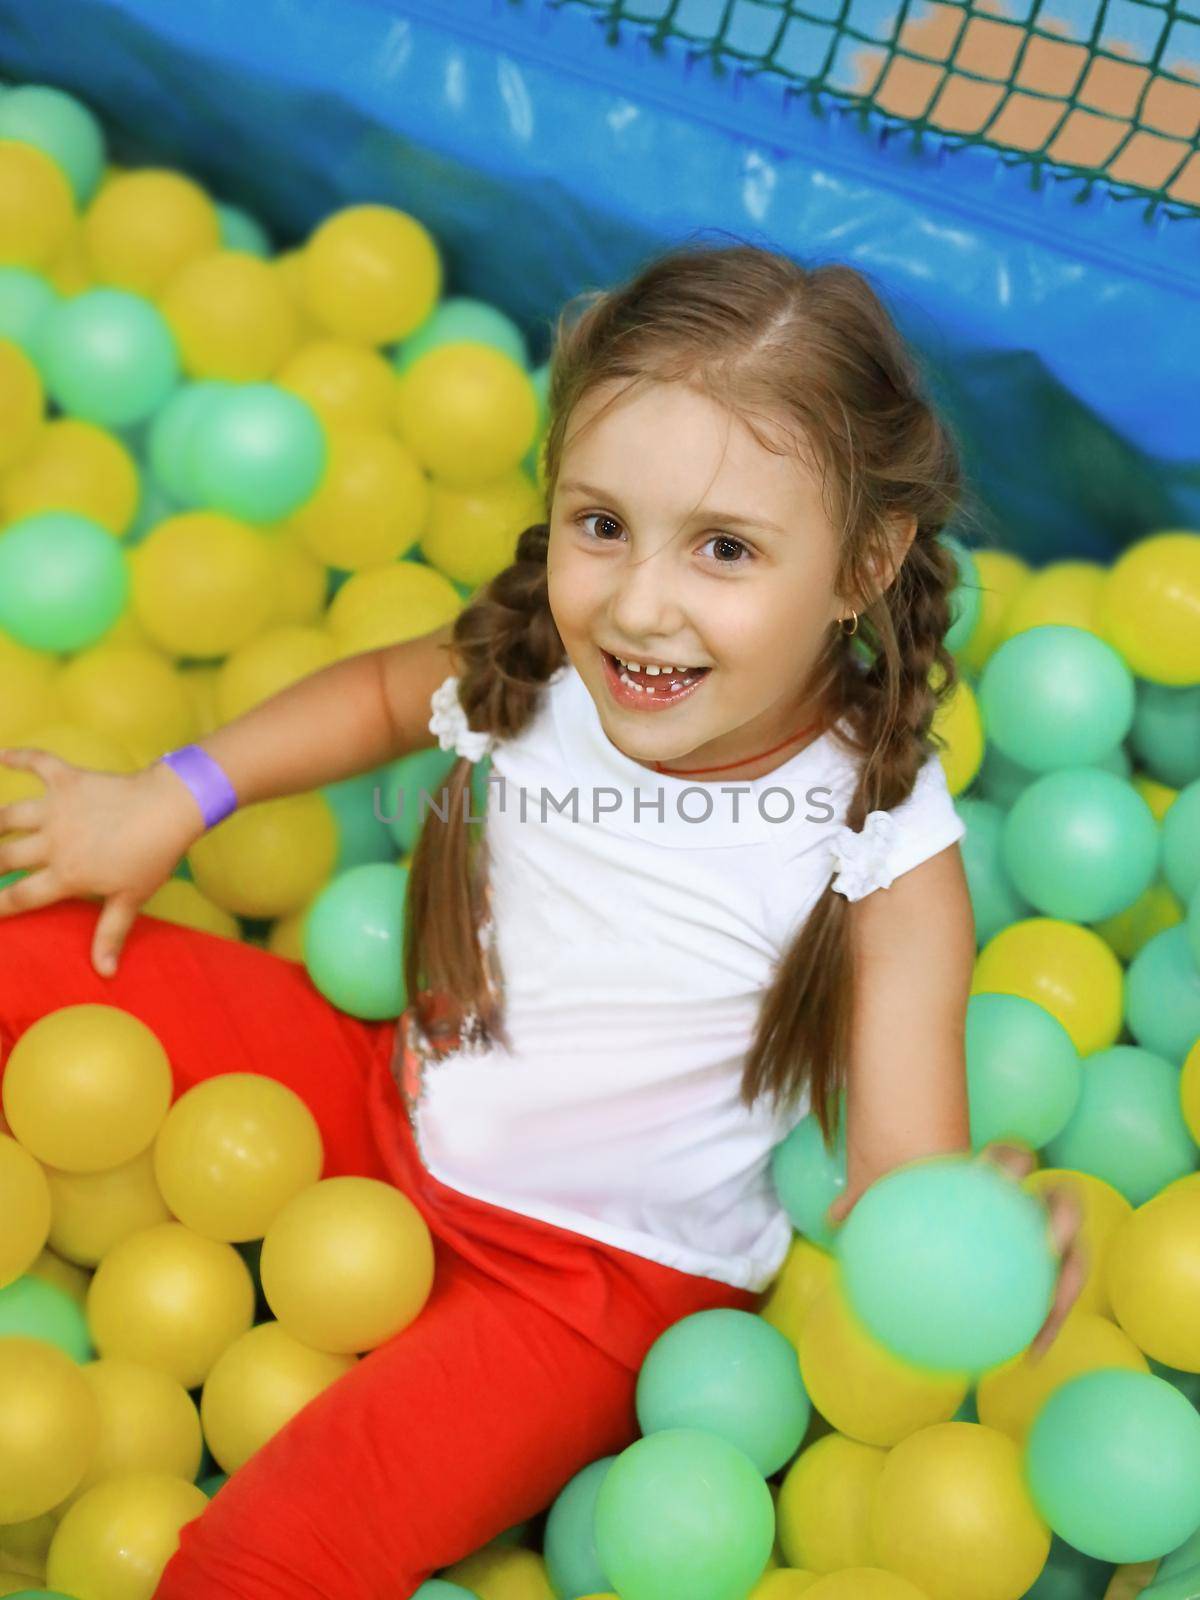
pixel 23 1547
pixel 48 1427
pixel 864 1583
pixel 1153 1276
pixel 471 534
pixel 347 1264
pixel 64 1275
pixel 13 1583
pixel 87 1087
pixel 952 1514
pixel 25 1207
pixel 28 695
pixel 468 412
pixel 202 583
pixel 1010 1396
pixel 824 1504
pixel 261 668
pixel 1001 576
pixel 959 723
pixel 301 581
pixel 268 859
pixel 1065 592
pixel 233 1151
pixel 1065 968
pixel 502 1572
pixel 169 1298
pixel 371 274
pixel 22 408
pixel 1155 910
pixel 1189 1090
pixel 94 1211
pixel 85 747
pixel 37 208
pixel 865 1391
pixel 71 270
pixel 788 1583
pixel 200 686
pixel 75 466
pixel 179 901
pixel 148 1423
pixel 348 385
pixel 131 692
pixel 144 226
pixel 806 1272
pixel 289 269
pixel 286 938
pixel 260 1382
pixel 387 604
pixel 231 315
pixel 115 1540
pixel 1160 797
pixel 1151 608
pixel 1104 1210
pixel 371 505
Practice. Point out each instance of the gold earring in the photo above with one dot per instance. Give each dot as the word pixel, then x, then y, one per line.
pixel 849 633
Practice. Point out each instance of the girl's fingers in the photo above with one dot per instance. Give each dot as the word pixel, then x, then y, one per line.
pixel 112 927
pixel 22 851
pixel 29 894
pixel 1015 1159
pixel 41 763
pixel 19 816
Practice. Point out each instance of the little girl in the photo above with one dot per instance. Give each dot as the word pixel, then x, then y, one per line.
pixel 717 886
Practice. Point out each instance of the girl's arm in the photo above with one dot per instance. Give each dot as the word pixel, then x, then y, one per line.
pixel 906 1091
pixel 345 719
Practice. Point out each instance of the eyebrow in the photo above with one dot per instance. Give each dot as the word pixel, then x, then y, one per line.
pixel 707 513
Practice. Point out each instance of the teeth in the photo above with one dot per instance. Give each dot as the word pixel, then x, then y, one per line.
pixel 651 670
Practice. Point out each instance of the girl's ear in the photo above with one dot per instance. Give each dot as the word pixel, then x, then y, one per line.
pixel 901 531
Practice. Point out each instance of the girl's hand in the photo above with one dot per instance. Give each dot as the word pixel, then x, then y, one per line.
pixel 116 835
pixel 1066 1221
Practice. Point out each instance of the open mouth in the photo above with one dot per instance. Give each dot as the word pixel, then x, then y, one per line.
pixel 638 685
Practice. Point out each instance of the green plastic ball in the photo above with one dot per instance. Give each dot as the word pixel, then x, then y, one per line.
pixel 1024 1076
pixel 458 319
pixel 241 231
pixel 1181 843
pixel 569 1546
pixel 1112 1462
pixel 995 903
pixel 1162 995
pixel 362 837
pixel 108 356
pixel 1080 844
pixel 439 1589
pixel 808 1177
pixel 729 1373
pixel 64 581
pixel 1070 1575
pixel 1166 733
pixel 258 452
pixel 402 785
pixel 949 1263
pixel 172 433
pixel 34 1309
pixel 966 600
pixel 354 940
pixel 1128 1126
pixel 1056 696
pixel 62 127
pixel 26 299
pixel 684 1515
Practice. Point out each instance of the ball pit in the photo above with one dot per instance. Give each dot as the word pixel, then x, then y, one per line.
pixel 222 469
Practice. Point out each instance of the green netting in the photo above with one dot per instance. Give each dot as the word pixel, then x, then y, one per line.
pixel 1106 89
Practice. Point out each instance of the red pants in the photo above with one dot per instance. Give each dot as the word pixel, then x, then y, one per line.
pixel 520 1370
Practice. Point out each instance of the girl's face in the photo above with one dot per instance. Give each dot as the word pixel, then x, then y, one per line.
pixel 677 540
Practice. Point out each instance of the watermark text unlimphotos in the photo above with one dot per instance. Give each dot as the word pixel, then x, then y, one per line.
pixel 697 803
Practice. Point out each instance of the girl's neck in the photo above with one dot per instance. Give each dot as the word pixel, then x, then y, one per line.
pixel 760 762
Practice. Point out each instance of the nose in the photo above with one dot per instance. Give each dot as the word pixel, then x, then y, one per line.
pixel 645 603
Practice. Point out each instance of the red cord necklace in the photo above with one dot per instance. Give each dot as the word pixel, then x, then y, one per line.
pixel 695 772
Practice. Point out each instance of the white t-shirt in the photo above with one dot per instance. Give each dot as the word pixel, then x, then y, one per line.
pixel 635 943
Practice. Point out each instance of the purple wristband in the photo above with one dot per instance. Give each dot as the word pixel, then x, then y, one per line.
pixel 206 779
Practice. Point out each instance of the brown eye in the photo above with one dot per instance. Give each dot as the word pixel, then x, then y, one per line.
pixel 726 542
pixel 598 516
